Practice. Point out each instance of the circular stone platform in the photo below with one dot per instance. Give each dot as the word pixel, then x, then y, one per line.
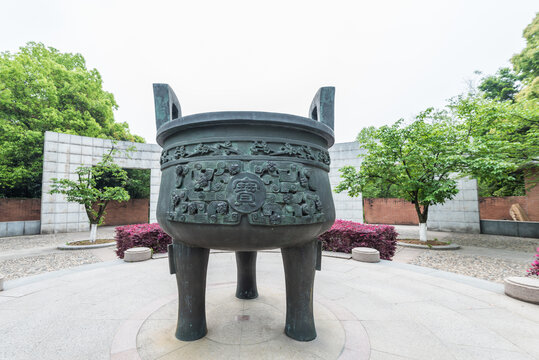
pixel 365 254
pixel 245 329
pixel 522 288
pixel 137 254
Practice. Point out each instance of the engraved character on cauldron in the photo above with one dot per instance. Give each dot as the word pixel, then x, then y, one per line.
pixel 244 181
pixel 245 192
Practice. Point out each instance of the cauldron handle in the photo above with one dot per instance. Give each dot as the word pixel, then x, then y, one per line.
pixel 167 106
pixel 322 107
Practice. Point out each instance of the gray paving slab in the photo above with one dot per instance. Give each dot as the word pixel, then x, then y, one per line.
pixel 454 328
pixel 406 338
pixel 407 312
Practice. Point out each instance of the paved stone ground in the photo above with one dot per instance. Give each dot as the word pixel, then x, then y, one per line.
pixel 404 312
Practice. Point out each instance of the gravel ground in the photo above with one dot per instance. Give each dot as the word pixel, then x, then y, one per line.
pixel 483 267
pixel 33 265
pixel 51 240
pixel 495 242
pixel 477 240
pixel 14 243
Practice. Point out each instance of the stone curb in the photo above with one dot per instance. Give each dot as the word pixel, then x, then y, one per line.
pixel 435 247
pixel 83 247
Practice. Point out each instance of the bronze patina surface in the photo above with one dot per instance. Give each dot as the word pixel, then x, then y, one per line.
pixel 244 181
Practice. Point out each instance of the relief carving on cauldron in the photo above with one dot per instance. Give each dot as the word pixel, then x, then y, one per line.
pixel 247 148
pixel 221 192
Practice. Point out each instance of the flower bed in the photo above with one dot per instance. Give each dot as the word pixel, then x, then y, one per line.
pixel 147 235
pixel 346 235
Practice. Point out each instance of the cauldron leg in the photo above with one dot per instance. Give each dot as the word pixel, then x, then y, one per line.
pixel 299 268
pixel 191 264
pixel 246 264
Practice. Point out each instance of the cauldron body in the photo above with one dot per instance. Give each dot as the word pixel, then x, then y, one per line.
pixel 244 181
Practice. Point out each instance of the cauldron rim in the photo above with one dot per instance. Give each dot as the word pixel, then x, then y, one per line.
pixel 241 117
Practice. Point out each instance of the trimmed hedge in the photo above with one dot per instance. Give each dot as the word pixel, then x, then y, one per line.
pixel 346 235
pixel 147 235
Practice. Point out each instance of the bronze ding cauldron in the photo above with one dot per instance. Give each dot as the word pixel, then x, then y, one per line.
pixel 244 181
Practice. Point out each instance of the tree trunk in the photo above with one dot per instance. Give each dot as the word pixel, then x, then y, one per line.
pixel 93 232
pixel 422 216
pixel 423 231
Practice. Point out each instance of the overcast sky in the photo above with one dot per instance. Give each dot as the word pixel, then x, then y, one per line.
pixel 387 59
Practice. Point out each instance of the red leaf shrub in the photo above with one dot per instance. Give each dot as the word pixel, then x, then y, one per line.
pixel 148 235
pixel 534 269
pixel 346 235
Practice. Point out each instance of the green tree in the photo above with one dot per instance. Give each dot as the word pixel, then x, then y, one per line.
pixel 503 135
pixel 42 89
pixel 376 188
pixel 418 160
pixel 95 187
pixel 502 142
pixel 138 183
pixel 502 86
pixel 526 63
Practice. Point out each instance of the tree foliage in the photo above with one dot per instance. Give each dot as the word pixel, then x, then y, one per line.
pixel 526 63
pixel 502 142
pixel 376 188
pixel 95 187
pixel 418 159
pixel 42 89
pixel 502 86
pixel 503 135
pixel 138 183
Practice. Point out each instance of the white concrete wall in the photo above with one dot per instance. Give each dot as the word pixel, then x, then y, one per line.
pixel 346 207
pixel 64 153
pixel 461 214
